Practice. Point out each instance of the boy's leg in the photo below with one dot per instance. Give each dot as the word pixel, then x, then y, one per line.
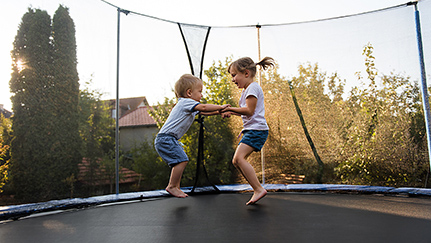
pixel 241 163
pixel 174 181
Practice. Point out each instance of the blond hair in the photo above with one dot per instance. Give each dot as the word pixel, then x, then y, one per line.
pixel 246 63
pixel 186 82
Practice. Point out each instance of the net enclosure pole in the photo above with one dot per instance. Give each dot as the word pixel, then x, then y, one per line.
pixel 262 154
pixel 424 87
pixel 117 106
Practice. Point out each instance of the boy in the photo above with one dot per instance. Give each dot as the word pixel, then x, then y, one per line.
pixel 188 90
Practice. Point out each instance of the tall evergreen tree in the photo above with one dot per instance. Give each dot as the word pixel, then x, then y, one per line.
pixel 29 86
pixel 65 98
pixel 44 85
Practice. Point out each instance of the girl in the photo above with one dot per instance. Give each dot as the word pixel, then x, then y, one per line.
pixel 252 111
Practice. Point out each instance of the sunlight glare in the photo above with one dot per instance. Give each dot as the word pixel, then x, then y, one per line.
pixel 20 65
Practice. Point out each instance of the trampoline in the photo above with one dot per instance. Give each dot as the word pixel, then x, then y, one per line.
pixel 289 213
pixel 299 214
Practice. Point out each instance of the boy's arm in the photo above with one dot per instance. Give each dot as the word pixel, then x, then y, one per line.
pixel 229 114
pixel 210 109
pixel 210 113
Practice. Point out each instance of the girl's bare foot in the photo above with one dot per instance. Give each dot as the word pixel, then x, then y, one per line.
pixel 257 195
pixel 176 192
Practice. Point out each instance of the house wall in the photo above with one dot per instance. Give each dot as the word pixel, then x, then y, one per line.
pixel 129 136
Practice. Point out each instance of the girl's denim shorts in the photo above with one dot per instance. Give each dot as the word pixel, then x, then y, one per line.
pixel 254 138
pixel 170 149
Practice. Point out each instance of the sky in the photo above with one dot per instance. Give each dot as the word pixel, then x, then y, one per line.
pixel 150 66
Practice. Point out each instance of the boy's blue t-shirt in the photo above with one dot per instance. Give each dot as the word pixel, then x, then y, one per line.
pixel 181 118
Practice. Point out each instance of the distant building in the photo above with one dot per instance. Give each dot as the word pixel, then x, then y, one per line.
pixel 136 125
pixel 127 105
pixel 6 113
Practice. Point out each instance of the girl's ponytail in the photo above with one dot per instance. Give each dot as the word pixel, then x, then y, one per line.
pixel 266 62
pixel 246 63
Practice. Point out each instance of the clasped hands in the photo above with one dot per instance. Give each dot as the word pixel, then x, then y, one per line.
pixel 224 111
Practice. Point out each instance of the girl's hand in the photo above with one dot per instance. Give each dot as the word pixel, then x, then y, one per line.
pixel 225 108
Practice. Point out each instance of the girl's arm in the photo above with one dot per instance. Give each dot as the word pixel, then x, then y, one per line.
pixel 248 110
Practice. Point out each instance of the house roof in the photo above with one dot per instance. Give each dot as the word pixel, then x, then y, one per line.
pixel 138 117
pixel 100 174
pixel 128 105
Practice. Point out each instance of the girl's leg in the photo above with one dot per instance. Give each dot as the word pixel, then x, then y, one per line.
pixel 173 187
pixel 241 163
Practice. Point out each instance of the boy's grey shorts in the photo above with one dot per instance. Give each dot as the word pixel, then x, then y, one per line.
pixel 170 149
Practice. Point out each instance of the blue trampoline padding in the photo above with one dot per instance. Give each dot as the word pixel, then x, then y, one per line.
pixel 17 211
pixel 412 191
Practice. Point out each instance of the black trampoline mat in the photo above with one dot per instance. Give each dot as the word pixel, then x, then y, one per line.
pixel 279 217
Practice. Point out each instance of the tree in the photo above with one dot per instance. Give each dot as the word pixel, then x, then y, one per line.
pixel 385 136
pixel 97 132
pixel 44 86
pixel 219 133
pixel 148 163
pixel 31 79
pixel 65 98
pixel 287 150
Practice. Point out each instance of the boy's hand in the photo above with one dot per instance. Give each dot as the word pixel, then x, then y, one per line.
pixel 226 115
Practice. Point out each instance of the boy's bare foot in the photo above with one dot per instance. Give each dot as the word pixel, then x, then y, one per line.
pixel 257 195
pixel 176 192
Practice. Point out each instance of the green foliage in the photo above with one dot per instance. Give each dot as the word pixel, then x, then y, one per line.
pixel 44 85
pixel 384 134
pixel 64 99
pixel 287 150
pixel 70 181
pixel 218 88
pixel 97 128
pixel 374 135
pixel 97 131
pixel 219 136
pixel 29 85
pixel 5 138
pixel 107 166
pixel 147 162
pixel 161 112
